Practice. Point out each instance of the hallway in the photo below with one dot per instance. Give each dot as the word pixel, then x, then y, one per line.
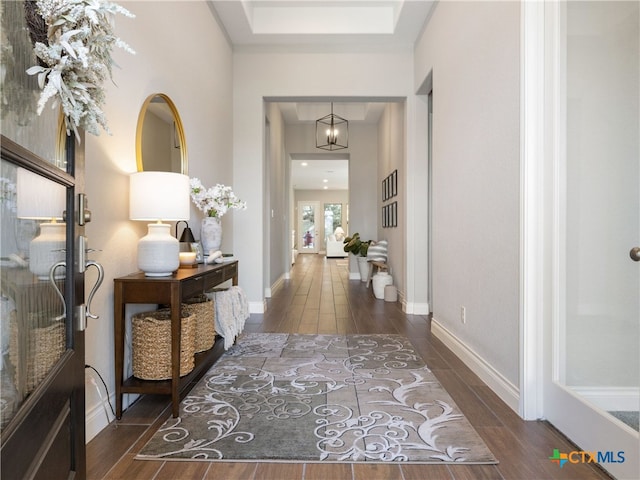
pixel 320 299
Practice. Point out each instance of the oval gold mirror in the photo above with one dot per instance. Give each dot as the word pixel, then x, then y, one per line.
pixel 160 141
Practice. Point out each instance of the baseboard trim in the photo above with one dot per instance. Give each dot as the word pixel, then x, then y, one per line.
pixel 95 421
pixel 414 308
pixel 270 292
pixel 277 285
pixel 258 307
pixel 96 418
pixel 610 398
pixel 502 387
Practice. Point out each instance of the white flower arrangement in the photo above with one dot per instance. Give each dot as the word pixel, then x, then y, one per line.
pixel 77 59
pixel 214 201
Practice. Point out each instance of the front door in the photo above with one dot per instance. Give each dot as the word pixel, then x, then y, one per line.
pixel 42 393
pixel 309 223
pixel 591 388
pixel 43 424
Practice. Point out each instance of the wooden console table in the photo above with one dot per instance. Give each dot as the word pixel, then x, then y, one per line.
pixel 183 284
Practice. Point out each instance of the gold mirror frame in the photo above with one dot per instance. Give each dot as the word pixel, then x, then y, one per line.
pixel 177 136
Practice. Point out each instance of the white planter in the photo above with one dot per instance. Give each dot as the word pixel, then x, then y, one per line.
pixel 363 266
pixel 390 293
pixel 379 281
pixel 211 234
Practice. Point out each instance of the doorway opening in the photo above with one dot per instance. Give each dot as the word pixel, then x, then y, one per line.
pixel 308 228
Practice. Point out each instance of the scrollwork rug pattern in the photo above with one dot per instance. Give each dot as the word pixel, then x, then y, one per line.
pixel 313 398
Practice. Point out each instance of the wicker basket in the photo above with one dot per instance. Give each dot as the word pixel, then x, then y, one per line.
pixel 202 308
pixel 151 340
pixel 44 347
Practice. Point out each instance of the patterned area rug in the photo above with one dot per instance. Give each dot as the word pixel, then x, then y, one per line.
pixel 313 398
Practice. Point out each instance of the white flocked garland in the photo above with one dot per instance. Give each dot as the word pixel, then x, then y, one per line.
pixel 77 59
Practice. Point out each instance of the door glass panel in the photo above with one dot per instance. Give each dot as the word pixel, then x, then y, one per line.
pixel 598 354
pixel 308 223
pixel 33 239
pixel 21 123
pixel 332 218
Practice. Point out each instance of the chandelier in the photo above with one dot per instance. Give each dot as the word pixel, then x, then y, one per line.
pixel 332 132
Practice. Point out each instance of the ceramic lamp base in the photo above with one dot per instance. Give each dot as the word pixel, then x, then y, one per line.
pixel 47 249
pixel 158 251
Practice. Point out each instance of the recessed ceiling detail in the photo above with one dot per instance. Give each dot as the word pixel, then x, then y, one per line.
pixel 309 112
pixel 320 174
pixel 374 23
pixel 311 19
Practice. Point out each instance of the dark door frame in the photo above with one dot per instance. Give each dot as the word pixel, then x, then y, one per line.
pixel 46 437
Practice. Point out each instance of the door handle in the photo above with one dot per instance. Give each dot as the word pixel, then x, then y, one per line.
pixel 99 280
pixel 85 310
pixel 84 264
pixel 52 279
pixel 635 254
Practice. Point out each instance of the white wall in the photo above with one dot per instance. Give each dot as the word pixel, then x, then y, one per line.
pixel 473 51
pixel 391 143
pixel 280 75
pixel 180 52
pixel 275 211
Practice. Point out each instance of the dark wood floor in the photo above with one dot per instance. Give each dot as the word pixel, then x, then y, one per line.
pixel 320 298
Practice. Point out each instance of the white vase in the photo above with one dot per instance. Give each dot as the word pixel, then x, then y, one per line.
pixel 211 234
pixel 379 281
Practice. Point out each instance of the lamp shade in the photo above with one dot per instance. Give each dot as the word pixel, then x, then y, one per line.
pixel 187 236
pixel 38 198
pixel 158 196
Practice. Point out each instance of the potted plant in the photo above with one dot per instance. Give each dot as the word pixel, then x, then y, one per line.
pixel 359 248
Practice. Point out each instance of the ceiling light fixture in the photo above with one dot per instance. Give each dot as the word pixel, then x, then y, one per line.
pixel 332 132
